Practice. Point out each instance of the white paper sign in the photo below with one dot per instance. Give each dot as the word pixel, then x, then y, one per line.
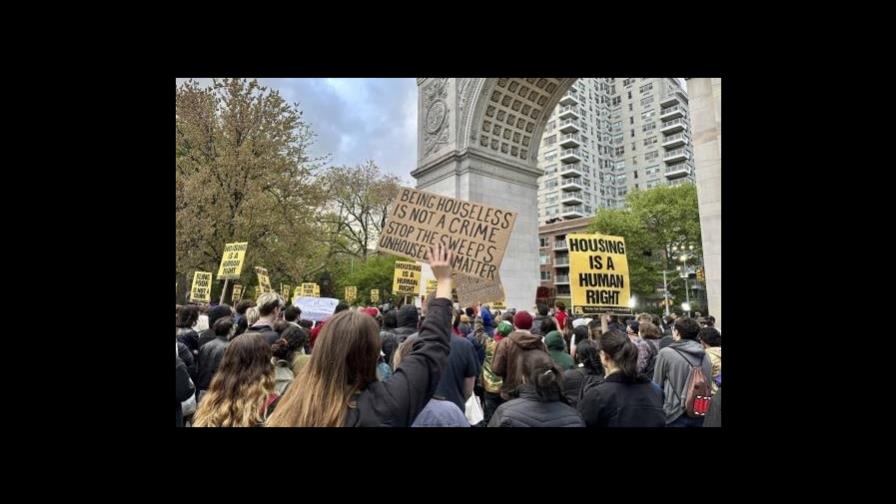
pixel 316 308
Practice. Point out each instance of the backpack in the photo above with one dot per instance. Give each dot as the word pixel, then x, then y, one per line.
pixel 698 392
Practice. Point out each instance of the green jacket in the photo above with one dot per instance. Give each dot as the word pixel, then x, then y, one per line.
pixel 490 381
pixel 557 349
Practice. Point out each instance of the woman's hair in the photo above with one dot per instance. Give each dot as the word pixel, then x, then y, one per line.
pixel 343 363
pixel 541 372
pixel 457 314
pixel 588 355
pixel 222 326
pixel 581 334
pixel 649 331
pixel 389 320
pixel 252 315
pixel 711 336
pixel 292 338
pixel 240 387
pixel 402 351
pixel 548 325
pixel 187 316
pixel 619 348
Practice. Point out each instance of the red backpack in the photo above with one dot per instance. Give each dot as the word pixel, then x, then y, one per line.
pixel 698 392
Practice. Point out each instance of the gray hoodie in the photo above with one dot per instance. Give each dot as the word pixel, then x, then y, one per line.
pixel 671 373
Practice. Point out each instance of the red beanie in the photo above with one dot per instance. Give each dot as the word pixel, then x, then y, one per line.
pixel 522 320
pixel 372 311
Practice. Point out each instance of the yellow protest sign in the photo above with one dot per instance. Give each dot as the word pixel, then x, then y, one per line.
pixel 297 291
pixel 237 293
pixel 232 260
pixel 264 282
pixel 406 279
pixel 284 291
pixel 316 290
pixel 598 272
pixel 431 286
pixel 310 289
pixel 477 233
pixel 202 287
pixel 374 295
pixel 497 305
pixel 351 293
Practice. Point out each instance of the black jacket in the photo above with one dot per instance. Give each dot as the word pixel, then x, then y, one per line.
pixel 206 336
pixel 536 324
pixel 529 411
pixel 188 337
pixel 397 401
pixel 267 331
pixel 406 319
pixel 210 356
pixel 620 401
pixel 182 388
pixel 186 356
pixel 575 380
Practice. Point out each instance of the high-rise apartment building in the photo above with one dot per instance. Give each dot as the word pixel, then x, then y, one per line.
pixel 609 136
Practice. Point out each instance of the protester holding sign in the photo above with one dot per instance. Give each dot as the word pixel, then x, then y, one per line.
pixel 339 387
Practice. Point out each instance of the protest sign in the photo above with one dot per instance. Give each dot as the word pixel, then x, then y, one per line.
pixel 598 273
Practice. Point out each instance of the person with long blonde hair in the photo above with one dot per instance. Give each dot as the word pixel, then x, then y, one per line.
pixel 242 391
pixel 339 388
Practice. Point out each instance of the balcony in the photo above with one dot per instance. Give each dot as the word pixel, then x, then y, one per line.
pixel 570 156
pixel 676 140
pixel 570 98
pixel 677 171
pixel 569 111
pixel 672 112
pixel 572 198
pixel 569 140
pixel 561 280
pixel 673 126
pixel 673 98
pixel 673 156
pixel 570 171
pixel 572 212
pixel 561 262
pixel 572 184
pixel 569 126
pixel 559 244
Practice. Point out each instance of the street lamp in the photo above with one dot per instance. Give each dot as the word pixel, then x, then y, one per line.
pixel 686 306
pixel 632 302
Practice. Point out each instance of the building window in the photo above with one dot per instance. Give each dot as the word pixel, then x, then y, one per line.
pixel 649 141
pixel 545 275
pixel 633 133
pixel 650 156
pixel 652 170
pixel 636 176
pixel 629 95
pixel 550 169
pixel 617 125
pixel 550 184
pixel 647 87
pixel 650 126
pixel 646 101
pixel 629 107
pixel 620 150
pixel 620 180
pixel 543 241
pixel 551 140
pixel 544 258
pixel 627 82
pixel 551 125
pixel 648 115
pixel 631 120
pixel 620 165
pixel 633 145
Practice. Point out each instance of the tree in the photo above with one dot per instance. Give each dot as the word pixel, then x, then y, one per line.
pixel 374 273
pixel 243 173
pixel 358 199
pixel 653 222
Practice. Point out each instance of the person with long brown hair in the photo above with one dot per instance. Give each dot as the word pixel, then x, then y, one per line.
pixel 242 391
pixel 339 388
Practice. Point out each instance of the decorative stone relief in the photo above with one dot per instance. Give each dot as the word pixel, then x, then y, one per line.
pixel 435 118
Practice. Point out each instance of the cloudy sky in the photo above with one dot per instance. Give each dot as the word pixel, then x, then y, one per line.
pixel 357 119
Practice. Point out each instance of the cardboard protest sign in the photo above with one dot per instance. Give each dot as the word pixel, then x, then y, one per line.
pixel 237 293
pixel 316 308
pixel 351 293
pixel 598 273
pixel 472 290
pixel 232 261
pixel 406 279
pixel 374 295
pixel 477 233
pixel 264 282
pixel 202 287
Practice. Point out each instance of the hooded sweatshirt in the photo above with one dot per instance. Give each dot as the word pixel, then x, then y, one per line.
pixel 508 358
pixel 672 370
pixel 406 322
pixel 488 321
pixel 557 349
